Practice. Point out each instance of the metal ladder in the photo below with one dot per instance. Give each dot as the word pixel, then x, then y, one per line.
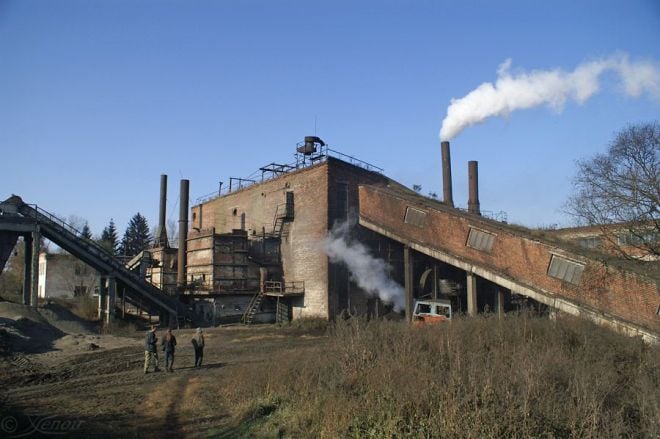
pixel 252 308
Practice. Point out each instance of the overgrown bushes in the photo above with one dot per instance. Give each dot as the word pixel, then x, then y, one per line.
pixel 483 377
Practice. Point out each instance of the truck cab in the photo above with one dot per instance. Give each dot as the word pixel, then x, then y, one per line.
pixel 431 311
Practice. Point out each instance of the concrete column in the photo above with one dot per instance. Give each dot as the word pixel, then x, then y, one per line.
pixel 472 294
pixel 27 268
pixel 34 291
pixel 110 300
pixel 408 278
pixel 500 303
pixel 123 304
pixel 102 298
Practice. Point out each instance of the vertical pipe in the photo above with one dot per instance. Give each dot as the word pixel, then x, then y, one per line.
pixel 183 234
pixel 473 181
pixel 263 276
pixel 446 175
pixel 27 268
pixel 162 231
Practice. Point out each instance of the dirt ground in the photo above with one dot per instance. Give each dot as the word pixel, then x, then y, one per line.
pixel 89 385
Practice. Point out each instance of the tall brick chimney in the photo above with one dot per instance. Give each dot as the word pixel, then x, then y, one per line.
pixel 447 193
pixel 183 234
pixel 473 181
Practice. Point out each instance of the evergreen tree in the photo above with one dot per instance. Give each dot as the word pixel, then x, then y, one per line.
pixel 137 236
pixel 86 232
pixel 109 238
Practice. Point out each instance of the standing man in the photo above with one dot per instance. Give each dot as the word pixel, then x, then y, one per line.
pixel 198 346
pixel 169 342
pixel 151 350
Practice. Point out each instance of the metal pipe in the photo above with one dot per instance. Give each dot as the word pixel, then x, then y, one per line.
pixel 446 175
pixel 183 235
pixel 161 240
pixel 473 181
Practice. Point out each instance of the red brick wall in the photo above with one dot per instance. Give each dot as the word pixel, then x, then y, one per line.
pixel 630 296
pixel 302 256
pixel 340 174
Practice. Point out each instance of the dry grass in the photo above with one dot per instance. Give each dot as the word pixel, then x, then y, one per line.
pixel 518 377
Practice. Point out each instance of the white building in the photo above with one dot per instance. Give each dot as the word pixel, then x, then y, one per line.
pixel 63 275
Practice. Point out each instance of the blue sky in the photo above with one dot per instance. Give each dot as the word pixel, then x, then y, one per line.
pixel 98 98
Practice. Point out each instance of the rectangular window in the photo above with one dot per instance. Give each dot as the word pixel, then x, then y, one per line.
pixel 566 270
pixel 591 242
pixel 480 240
pixel 415 217
pixel 629 238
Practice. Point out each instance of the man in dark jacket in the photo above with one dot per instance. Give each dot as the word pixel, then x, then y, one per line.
pixel 151 350
pixel 169 342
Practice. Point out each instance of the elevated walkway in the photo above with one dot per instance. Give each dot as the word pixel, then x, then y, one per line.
pixel 18 217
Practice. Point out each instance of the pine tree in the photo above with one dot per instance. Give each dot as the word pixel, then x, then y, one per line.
pixel 86 232
pixel 137 236
pixel 109 239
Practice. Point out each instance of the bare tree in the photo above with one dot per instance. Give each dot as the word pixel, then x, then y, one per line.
pixel 619 192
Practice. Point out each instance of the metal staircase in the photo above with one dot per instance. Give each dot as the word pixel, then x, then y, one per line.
pixel 15 211
pixel 252 308
pixel 283 216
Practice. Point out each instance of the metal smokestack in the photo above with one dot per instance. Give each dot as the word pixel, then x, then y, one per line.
pixel 473 181
pixel 447 192
pixel 183 235
pixel 161 235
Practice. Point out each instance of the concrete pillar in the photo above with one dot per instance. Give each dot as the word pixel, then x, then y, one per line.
pixel 472 294
pixel 435 281
pixel 102 298
pixel 110 299
pixel 27 268
pixel 123 304
pixel 500 303
pixel 36 248
pixel 408 279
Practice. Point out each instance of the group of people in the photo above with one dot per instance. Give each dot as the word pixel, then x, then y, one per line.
pixel 168 345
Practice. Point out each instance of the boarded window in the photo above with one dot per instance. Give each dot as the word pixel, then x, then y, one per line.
pixel 415 217
pixel 566 270
pixel 480 240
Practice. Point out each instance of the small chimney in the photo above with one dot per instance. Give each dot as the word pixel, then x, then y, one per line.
pixel 448 197
pixel 161 233
pixel 183 235
pixel 473 181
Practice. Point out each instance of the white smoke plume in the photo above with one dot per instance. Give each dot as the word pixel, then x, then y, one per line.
pixel 521 90
pixel 371 274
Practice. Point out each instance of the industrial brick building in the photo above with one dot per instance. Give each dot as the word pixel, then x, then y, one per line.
pixel 264 238
pixel 255 252
pixel 269 236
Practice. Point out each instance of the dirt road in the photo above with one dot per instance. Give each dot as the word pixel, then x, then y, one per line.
pixel 104 392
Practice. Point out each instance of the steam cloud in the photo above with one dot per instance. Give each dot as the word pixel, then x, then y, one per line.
pixel 369 273
pixel 551 87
